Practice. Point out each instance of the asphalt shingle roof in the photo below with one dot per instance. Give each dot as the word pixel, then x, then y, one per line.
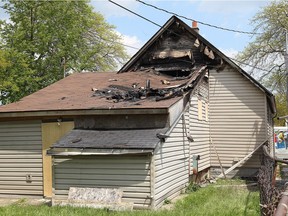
pixel 75 93
pixel 110 139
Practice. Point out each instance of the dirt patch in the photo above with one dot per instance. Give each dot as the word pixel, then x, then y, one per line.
pixel 24 201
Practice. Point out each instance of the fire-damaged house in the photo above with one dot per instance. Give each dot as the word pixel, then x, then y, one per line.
pixel 177 108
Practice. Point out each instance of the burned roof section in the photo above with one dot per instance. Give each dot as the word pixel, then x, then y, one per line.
pixel 174 51
pixel 136 92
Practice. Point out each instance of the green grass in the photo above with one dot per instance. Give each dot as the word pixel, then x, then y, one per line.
pixel 206 201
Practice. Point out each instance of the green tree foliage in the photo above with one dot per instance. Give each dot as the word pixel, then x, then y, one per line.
pixel 267 50
pixel 44 38
pixel 16 78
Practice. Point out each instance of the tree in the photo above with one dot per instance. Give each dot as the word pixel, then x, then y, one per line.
pixel 267 50
pixel 46 39
pixel 13 84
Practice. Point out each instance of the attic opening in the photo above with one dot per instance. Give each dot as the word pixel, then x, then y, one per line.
pixel 177 73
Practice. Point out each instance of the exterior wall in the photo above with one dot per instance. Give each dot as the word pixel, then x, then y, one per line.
pixel 129 173
pixel 199 128
pixel 20 157
pixel 237 118
pixel 171 161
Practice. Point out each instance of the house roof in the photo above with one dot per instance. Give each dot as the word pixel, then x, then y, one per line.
pixel 205 42
pixel 104 91
pixel 108 93
pixel 104 140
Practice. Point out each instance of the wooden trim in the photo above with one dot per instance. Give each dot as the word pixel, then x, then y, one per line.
pixel 51 132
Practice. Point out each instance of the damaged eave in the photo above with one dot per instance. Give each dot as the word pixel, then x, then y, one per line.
pixel 52 113
pixel 87 152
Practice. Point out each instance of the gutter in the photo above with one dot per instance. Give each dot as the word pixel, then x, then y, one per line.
pixel 87 152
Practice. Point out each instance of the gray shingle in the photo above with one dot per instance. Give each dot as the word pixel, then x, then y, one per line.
pixel 110 139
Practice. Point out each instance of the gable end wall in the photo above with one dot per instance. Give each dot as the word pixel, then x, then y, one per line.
pixel 238 118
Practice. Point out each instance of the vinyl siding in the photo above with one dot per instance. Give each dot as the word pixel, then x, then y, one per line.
pixel 171 161
pixel 199 128
pixel 237 117
pixel 20 155
pixel 131 174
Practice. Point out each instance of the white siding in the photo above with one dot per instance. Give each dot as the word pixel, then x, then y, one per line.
pixel 171 165
pixel 128 173
pixel 20 155
pixel 237 117
pixel 199 128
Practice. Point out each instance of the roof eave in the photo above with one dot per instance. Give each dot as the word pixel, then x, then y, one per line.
pixel 87 152
pixel 51 113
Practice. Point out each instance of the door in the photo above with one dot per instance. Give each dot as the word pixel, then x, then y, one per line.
pixel 51 132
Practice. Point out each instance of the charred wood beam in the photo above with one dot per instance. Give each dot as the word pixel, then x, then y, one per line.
pixel 173 53
pixel 182 89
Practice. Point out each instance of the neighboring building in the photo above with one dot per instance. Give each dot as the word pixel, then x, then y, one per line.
pixel 146 129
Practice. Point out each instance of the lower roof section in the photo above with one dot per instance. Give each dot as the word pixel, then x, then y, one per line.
pixel 83 142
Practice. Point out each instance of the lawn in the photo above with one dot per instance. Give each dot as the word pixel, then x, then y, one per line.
pixel 215 199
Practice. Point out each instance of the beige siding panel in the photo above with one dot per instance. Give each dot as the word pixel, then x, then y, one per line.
pixel 171 165
pixel 128 173
pixel 20 155
pixel 199 129
pixel 237 118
